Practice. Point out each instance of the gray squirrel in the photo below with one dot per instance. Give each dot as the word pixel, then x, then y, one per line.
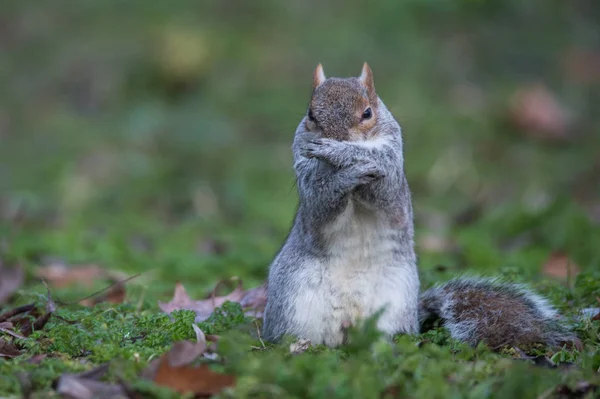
pixel 350 252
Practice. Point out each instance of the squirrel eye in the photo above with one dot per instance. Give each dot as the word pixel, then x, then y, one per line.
pixel 311 117
pixel 367 114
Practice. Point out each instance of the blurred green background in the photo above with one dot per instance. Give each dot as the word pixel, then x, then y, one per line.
pixel 147 135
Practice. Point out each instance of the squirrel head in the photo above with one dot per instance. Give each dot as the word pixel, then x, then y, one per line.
pixel 343 108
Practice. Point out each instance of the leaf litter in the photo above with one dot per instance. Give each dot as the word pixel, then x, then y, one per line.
pixel 559 266
pixel 87 385
pixel 176 369
pixel 253 301
pixel 60 275
pixel 20 322
pixel 540 114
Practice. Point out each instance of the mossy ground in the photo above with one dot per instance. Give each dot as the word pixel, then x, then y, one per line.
pixel 156 139
pixel 428 365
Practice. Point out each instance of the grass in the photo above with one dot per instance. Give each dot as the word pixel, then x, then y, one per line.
pixel 428 365
pixel 155 140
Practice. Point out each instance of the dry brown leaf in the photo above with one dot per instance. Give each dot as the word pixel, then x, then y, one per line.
pixel 61 275
pixel 182 353
pixel 538 112
pixel 73 387
pixel 8 350
pixel 8 328
pixel 29 327
pixel 6 325
pixel 115 295
pixel 11 279
pixel 254 301
pixel 253 298
pixel 86 385
pixel 185 352
pixel 559 266
pixel 174 370
pixel 200 380
pixel 15 311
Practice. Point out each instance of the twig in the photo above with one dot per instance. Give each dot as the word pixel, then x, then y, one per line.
pixel 258 334
pixel 50 304
pixel 12 333
pixel 98 292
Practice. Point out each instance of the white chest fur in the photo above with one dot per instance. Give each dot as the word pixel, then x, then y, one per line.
pixel 360 276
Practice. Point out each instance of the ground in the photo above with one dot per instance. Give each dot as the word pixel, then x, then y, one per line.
pixel 156 140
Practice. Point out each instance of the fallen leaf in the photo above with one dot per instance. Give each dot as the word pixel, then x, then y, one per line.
pixel 200 336
pixel 11 279
pixel 200 380
pixel 185 352
pixel 8 350
pixel 181 353
pixel 115 295
pixel 86 385
pixel 174 369
pixel 8 328
pixel 254 299
pixel 559 266
pixel 62 275
pixel 15 311
pixel 539 113
pixel 203 308
pixel 28 327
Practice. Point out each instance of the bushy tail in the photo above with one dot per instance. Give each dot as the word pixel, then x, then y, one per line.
pixel 495 312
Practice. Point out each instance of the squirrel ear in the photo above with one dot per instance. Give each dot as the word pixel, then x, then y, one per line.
pixel 318 76
pixel 366 79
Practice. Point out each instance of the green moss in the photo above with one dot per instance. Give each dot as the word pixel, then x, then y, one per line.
pixel 135 150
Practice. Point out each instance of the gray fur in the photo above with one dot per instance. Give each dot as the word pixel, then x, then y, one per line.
pixel 350 251
pixel 495 312
pixel 309 293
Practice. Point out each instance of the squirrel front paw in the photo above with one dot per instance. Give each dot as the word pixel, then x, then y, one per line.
pixel 366 172
pixel 314 148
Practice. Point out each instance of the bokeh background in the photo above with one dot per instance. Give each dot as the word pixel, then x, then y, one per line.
pixel 146 135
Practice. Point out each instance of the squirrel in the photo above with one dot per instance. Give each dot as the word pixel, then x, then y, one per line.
pixel 350 252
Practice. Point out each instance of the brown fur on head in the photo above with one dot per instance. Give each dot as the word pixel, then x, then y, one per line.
pixel 339 107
